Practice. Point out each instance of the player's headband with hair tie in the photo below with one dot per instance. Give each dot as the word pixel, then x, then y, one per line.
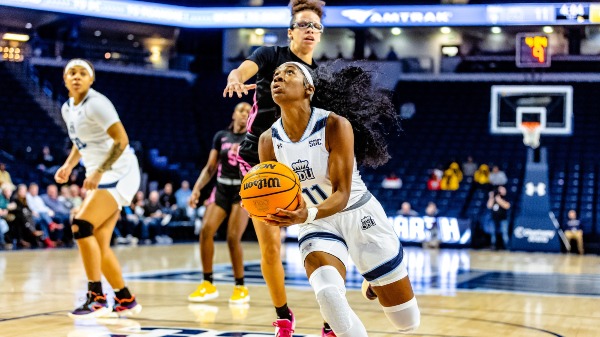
pixel 306 73
pixel 81 63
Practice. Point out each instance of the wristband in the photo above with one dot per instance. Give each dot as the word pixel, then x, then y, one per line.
pixel 312 214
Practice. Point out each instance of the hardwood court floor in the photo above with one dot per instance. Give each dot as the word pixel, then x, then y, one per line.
pixel 460 293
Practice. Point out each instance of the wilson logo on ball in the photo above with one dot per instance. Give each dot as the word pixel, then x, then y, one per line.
pixel 270 186
pixel 260 183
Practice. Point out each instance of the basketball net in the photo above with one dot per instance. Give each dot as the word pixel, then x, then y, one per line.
pixel 531 134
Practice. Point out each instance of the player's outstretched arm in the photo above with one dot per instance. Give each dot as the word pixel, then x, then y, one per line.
pixel 237 77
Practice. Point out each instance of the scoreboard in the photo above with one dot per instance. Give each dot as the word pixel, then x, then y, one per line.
pixel 500 14
pixel 532 50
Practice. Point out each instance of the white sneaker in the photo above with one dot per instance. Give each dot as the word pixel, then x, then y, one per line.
pixel 122 241
pixel 167 240
pixel 132 240
pixel 165 221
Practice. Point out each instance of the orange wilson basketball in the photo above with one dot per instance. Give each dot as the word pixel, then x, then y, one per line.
pixel 268 186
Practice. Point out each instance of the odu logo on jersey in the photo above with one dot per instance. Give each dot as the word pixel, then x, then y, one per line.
pixel 367 222
pixel 302 169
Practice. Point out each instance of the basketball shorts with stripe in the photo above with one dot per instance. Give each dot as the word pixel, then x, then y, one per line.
pixel 225 196
pixel 363 234
pixel 124 183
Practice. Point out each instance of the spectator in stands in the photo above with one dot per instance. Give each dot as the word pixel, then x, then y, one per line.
pixel 497 177
pixel 137 206
pixel 406 210
pixel 4 229
pixel 469 167
pixel 46 161
pixel 182 195
pixel 126 227
pixel 433 240
pixel 155 220
pixel 22 224
pixel 451 178
pixel 499 206
pixel 391 181
pixel 76 198
pixel 433 184
pixel 65 197
pixel 482 175
pixel 167 201
pixel 439 173
pixel 391 55
pixel 5 237
pixel 42 215
pixel 58 204
pixel 5 179
pixel 573 231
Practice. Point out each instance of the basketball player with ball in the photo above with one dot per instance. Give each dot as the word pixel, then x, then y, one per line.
pixel 304 35
pixel 338 217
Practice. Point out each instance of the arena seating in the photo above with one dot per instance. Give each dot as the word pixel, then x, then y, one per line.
pixel 452 122
pixel 25 129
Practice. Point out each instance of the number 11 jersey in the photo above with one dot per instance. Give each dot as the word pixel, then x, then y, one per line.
pixel 309 158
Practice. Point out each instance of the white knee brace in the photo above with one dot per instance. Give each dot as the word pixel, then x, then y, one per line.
pixel 330 290
pixel 405 317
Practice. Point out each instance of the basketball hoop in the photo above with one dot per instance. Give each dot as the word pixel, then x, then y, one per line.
pixel 531 133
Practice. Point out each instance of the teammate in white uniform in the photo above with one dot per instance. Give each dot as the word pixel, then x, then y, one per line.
pixel 343 219
pixel 112 179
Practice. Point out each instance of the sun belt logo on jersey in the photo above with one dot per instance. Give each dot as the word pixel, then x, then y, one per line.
pixel 539 189
pixel 367 222
pixel 303 170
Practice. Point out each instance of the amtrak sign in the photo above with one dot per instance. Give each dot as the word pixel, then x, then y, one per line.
pixel 362 16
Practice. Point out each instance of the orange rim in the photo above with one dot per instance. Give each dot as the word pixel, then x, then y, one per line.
pixel 531 125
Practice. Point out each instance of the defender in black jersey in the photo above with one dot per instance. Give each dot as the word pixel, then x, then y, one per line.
pixel 304 34
pixel 225 198
pixel 264 110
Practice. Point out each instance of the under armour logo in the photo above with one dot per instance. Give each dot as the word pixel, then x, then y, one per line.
pixel 539 189
pixel 279 146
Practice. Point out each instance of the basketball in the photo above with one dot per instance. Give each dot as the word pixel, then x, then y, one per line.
pixel 268 186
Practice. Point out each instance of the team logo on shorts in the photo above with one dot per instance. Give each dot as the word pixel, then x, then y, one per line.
pixel 367 222
pixel 302 169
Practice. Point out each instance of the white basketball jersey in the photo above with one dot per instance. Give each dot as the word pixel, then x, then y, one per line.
pixel 309 158
pixel 87 123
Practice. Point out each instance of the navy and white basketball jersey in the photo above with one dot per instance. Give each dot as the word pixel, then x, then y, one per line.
pixel 87 123
pixel 309 158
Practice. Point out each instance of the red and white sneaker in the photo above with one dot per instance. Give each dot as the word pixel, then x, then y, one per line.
pixel 327 334
pixel 367 291
pixel 285 327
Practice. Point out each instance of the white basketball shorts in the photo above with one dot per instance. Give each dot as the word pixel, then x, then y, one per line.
pixel 123 183
pixel 363 233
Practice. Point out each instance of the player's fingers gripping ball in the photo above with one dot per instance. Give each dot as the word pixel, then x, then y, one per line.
pixel 268 186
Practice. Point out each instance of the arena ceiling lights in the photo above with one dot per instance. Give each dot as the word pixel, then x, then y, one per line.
pixel 337 16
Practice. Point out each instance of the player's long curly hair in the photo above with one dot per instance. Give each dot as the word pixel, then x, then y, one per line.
pixel 348 93
pixel 307 5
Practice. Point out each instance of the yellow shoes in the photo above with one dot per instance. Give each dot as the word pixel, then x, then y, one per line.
pixel 240 295
pixel 206 291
